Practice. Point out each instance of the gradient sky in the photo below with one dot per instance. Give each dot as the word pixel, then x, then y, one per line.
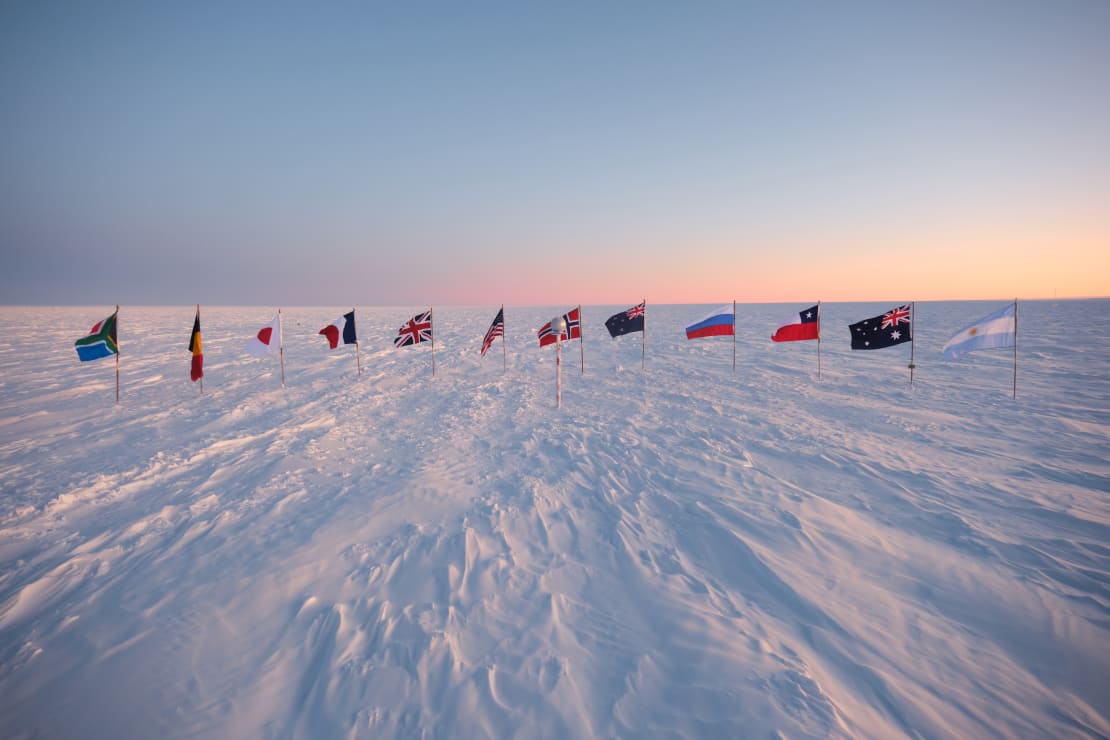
pixel 364 153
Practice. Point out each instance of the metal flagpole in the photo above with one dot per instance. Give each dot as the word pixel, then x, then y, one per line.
pixel 643 338
pixel 504 352
pixel 432 323
pixel 581 339
pixel 1015 348
pixel 818 340
pixel 281 348
pixel 116 319
pixel 358 360
pixel 734 336
pixel 913 320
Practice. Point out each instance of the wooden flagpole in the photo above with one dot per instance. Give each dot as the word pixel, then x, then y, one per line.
pixel 643 338
pixel 504 352
pixel 281 348
pixel 913 320
pixel 117 353
pixel 581 339
pixel 818 340
pixel 1015 349
pixel 432 322
pixel 734 336
pixel 358 360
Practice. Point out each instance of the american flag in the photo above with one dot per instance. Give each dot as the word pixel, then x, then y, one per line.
pixel 496 329
pixel 574 328
pixel 417 329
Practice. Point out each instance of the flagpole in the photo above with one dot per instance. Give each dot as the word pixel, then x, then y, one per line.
pixel 281 348
pixel 358 360
pixel 643 339
pixel 581 339
pixel 432 322
pixel 202 353
pixel 733 336
pixel 818 340
pixel 1015 349
pixel 117 353
pixel 504 352
pixel 913 319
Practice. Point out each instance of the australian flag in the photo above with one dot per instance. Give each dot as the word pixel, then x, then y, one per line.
pixel 886 330
pixel 626 322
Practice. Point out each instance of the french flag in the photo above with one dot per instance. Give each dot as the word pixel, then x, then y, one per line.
pixel 342 328
pixel 720 322
pixel 802 325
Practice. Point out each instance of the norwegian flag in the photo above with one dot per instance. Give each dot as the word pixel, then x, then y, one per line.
pixel 574 328
pixel 496 329
pixel 417 329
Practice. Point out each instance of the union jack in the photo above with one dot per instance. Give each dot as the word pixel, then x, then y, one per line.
pixel 417 329
pixel 496 329
pixel 900 315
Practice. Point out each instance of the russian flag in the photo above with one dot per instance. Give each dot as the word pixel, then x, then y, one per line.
pixel 802 325
pixel 342 328
pixel 720 322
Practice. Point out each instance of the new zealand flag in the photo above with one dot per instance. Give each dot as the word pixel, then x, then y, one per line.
pixel 886 330
pixel 626 322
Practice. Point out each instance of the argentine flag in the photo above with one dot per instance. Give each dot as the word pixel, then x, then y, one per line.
pixel 990 332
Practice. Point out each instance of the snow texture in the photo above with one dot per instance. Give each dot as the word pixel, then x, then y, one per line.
pixel 676 552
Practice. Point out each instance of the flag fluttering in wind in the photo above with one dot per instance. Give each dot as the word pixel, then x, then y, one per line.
pixel 196 370
pixel 717 323
pixel 268 339
pixel 415 330
pixel 627 322
pixel 885 330
pixel 802 325
pixel 996 331
pixel 574 328
pixel 342 328
pixel 100 342
pixel 496 329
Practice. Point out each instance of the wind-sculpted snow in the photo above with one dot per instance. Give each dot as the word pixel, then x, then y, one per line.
pixel 681 551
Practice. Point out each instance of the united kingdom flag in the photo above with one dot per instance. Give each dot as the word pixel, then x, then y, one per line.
pixel 574 328
pixel 417 329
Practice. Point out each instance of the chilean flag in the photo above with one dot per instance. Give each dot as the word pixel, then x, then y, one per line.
pixel 267 340
pixel 802 325
pixel 720 322
pixel 342 328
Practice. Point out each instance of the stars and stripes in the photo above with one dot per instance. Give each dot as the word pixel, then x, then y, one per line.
pixel 496 329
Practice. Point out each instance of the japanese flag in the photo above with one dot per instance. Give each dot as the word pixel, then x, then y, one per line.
pixel 267 340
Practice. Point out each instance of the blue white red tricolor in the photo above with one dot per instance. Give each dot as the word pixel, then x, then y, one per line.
pixel 720 322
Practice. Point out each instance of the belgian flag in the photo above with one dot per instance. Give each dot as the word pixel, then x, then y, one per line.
pixel 197 371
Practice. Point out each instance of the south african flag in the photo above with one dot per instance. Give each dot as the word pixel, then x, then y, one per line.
pixel 101 341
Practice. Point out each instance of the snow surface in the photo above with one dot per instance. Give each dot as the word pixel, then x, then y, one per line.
pixel 681 551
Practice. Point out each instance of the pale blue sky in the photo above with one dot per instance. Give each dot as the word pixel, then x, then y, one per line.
pixel 550 153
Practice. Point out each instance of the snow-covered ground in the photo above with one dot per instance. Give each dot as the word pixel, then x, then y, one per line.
pixel 681 551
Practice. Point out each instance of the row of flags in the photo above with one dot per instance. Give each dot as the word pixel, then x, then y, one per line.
pixel 893 327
